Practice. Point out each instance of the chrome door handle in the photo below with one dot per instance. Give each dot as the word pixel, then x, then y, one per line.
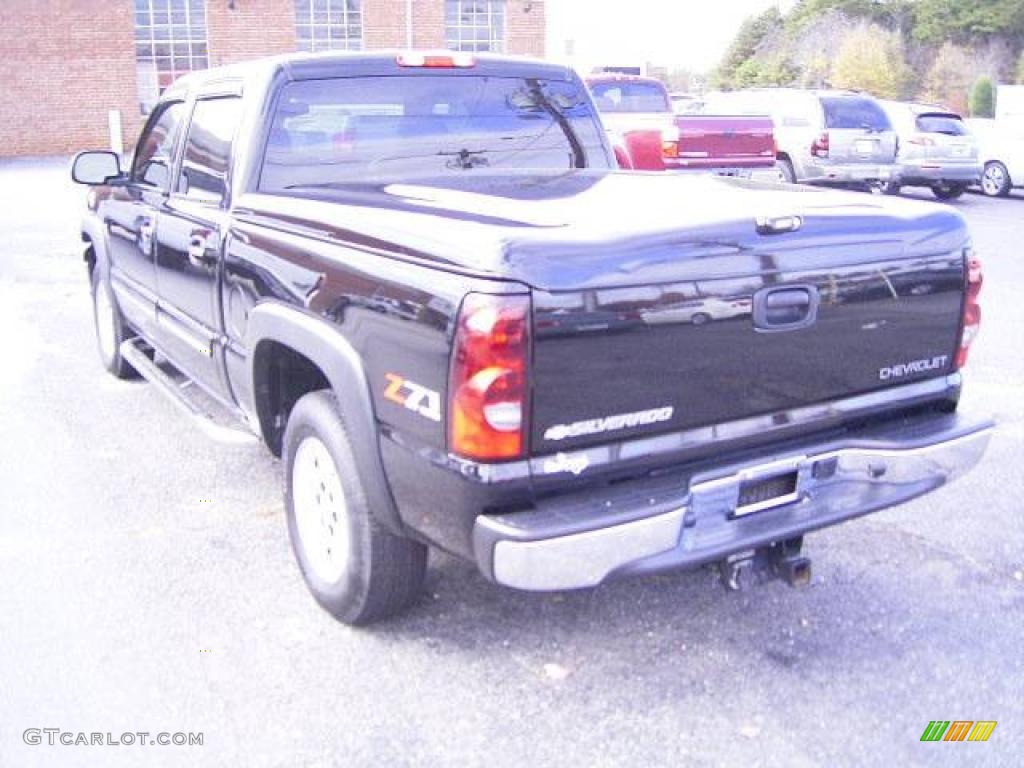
pixel 199 251
pixel 145 243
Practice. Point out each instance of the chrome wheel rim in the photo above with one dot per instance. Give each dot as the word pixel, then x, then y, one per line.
pixel 321 513
pixel 106 325
pixel 992 180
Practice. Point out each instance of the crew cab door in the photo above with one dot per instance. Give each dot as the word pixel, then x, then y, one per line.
pixel 130 214
pixel 190 237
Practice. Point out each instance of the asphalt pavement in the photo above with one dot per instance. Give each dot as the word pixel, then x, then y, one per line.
pixel 147 585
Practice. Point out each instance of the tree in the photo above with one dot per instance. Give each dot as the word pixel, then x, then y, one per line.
pixel 983 98
pixel 871 59
pixel 948 78
pixel 743 47
pixel 1020 69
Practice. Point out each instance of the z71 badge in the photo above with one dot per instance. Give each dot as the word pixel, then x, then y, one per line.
pixel 415 397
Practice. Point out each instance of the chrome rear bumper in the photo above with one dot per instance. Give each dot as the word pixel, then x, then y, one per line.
pixel 682 522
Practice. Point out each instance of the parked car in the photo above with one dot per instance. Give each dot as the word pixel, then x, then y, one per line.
pixel 936 150
pixel 728 145
pixel 823 137
pixel 530 422
pixel 1001 149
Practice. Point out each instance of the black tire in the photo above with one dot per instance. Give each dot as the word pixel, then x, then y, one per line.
pixel 380 574
pixel 995 180
pixel 949 191
pixel 106 313
pixel 785 168
pixel 701 318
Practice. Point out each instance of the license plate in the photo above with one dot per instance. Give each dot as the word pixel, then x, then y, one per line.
pixel 864 147
pixel 740 173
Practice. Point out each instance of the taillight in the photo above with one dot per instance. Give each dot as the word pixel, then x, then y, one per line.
pixel 971 320
pixel 670 142
pixel 487 387
pixel 819 148
pixel 921 141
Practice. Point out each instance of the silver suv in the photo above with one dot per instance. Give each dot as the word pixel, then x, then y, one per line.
pixel 823 137
pixel 936 150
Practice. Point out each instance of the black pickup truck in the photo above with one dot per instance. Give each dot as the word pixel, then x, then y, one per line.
pixel 421 280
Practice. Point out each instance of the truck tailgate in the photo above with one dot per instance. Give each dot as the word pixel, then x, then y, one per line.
pixel 728 339
pixel 712 141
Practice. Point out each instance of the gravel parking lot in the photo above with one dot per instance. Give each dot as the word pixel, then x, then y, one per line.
pixel 149 586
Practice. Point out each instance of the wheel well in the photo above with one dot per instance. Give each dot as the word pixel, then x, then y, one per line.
pixel 89 256
pixel 280 377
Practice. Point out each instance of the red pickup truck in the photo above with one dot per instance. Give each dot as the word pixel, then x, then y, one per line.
pixel 648 135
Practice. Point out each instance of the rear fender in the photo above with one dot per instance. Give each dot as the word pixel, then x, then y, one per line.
pixel 324 345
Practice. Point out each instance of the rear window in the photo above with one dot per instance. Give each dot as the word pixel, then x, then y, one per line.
pixel 628 96
pixel 853 112
pixel 348 130
pixel 951 125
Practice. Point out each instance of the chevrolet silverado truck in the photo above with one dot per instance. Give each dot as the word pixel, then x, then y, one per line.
pixel 648 135
pixel 420 279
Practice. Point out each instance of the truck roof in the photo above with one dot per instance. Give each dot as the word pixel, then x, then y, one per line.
pixel 614 77
pixel 306 66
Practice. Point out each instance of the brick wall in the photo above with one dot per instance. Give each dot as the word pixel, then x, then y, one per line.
pixel 525 27
pixel 254 28
pixel 63 65
pixel 384 24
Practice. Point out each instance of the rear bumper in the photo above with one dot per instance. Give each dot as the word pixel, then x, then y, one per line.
pixel 671 523
pixel 928 173
pixel 848 173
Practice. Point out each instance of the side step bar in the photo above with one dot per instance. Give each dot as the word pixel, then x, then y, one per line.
pixel 136 353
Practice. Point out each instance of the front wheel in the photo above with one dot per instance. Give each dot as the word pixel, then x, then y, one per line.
pixel 111 328
pixel 356 570
pixel 995 179
pixel 948 191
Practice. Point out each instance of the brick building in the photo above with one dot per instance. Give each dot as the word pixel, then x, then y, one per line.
pixel 71 68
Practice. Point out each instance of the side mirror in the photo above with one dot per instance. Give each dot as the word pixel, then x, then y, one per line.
pixel 95 168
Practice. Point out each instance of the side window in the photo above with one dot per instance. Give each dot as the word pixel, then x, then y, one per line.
pixel 154 153
pixel 204 168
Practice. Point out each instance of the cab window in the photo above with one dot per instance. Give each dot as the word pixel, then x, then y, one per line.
pixel 204 167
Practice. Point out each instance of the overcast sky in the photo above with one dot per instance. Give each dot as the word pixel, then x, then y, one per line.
pixel 690 34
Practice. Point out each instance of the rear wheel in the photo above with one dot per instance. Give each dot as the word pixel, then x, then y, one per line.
pixel 948 190
pixel 111 328
pixel 356 570
pixel 784 168
pixel 995 179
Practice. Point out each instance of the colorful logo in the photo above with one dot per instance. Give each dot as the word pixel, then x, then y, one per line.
pixel 958 730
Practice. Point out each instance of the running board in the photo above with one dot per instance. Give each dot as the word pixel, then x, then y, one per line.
pixel 185 394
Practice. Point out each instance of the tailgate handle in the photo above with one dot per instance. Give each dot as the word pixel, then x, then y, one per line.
pixel 785 308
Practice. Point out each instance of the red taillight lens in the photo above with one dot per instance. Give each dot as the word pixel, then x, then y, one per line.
pixel 921 141
pixel 971 321
pixel 820 146
pixel 487 387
